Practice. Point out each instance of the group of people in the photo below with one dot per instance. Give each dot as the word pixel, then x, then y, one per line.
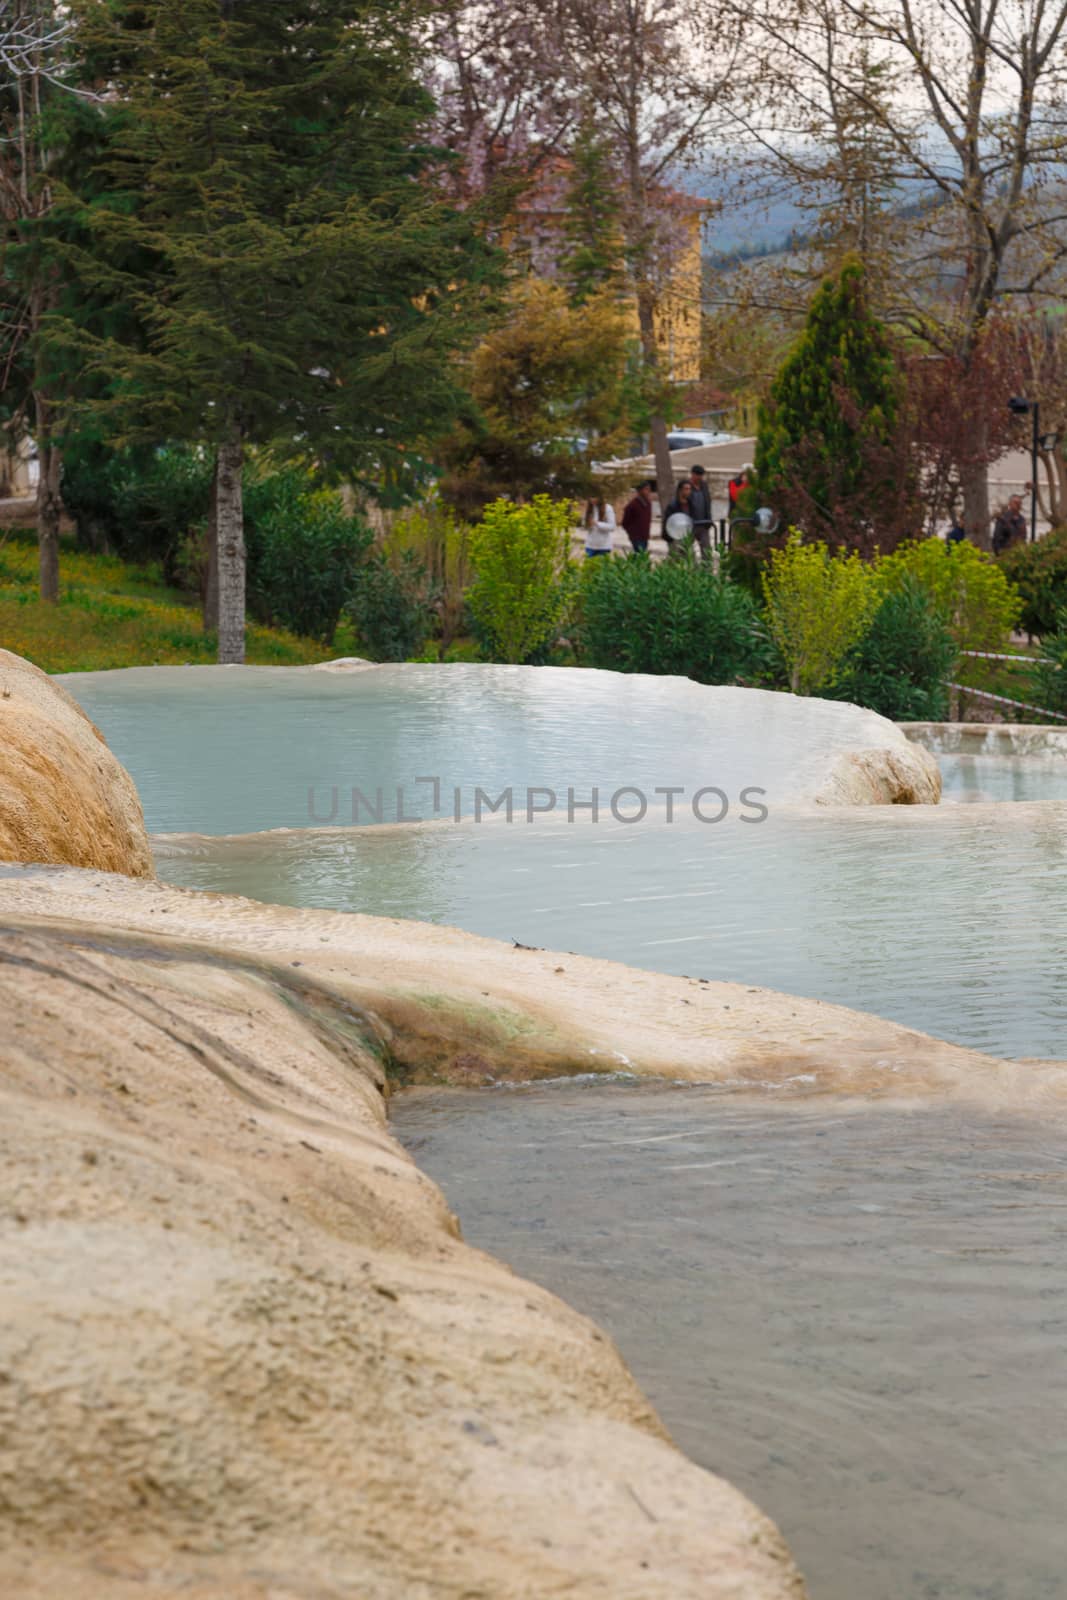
pixel 1009 527
pixel 688 514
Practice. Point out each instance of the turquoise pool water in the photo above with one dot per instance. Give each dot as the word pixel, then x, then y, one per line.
pixel 951 919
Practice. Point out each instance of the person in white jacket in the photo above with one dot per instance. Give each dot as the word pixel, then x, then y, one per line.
pixel 599 524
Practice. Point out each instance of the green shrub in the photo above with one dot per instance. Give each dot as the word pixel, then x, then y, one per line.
pixel 390 609
pixel 674 617
pixel 818 607
pixel 304 552
pixel 900 664
pixel 138 504
pixel 967 586
pixel 520 555
pixel 1050 670
pixel 441 546
pixel 1039 572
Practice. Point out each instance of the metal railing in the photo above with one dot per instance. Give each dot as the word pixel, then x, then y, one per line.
pixel 1003 699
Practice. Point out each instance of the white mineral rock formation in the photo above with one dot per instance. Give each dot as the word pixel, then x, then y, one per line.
pixel 63 796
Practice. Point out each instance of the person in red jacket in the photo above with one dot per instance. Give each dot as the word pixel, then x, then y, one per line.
pixel 637 517
pixel 738 485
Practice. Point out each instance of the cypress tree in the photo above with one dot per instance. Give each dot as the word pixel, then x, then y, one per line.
pixel 311 284
pixel 832 450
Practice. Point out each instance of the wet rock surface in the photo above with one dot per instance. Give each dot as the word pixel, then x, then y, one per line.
pixel 63 795
pixel 243 1351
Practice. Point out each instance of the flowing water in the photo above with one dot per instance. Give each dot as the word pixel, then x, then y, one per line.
pixel 950 919
pixel 981 777
pixel 857 1316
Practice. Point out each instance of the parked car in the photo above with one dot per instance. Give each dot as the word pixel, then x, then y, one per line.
pixel 697 439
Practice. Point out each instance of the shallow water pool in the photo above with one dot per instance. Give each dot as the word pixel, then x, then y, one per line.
pixel 953 920
pixel 238 749
pixel 950 919
pixel 994 778
pixel 858 1317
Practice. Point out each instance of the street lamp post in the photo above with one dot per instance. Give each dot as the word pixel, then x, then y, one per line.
pixel 1038 440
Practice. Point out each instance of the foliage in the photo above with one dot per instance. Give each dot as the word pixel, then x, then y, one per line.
pixel 969 589
pixel 961 423
pixel 552 387
pixel 1050 673
pixel 311 285
pixel 673 618
pixel 1039 572
pixel 743 345
pixel 593 256
pixel 113 615
pixel 310 290
pixel 818 606
pixel 521 554
pixel 152 505
pixel 304 550
pixel 955 259
pixel 899 665
pixel 833 453
pixel 137 503
pixel 441 545
pixel 390 608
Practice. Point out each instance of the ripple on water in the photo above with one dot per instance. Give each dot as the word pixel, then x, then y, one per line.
pixel 857 1316
pixel 952 921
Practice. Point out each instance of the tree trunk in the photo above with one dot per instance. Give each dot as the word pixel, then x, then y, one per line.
pixel 974 481
pixel 664 472
pixel 229 520
pixel 1054 501
pixel 657 424
pixel 49 509
pixel 210 595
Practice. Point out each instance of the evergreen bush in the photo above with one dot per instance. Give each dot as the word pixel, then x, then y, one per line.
pixel 899 665
pixel 138 504
pixel 1050 673
pixel 833 452
pixel 390 608
pixel 1039 572
pixel 671 618
pixel 304 553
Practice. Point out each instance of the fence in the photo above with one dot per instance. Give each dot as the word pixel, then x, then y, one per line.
pixel 1003 699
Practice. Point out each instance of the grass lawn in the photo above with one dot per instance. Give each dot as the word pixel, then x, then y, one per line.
pixel 114 615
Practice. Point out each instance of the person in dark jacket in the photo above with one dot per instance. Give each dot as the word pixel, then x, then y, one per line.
pixel 957 534
pixel 700 510
pixel 637 517
pixel 681 508
pixel 1010 526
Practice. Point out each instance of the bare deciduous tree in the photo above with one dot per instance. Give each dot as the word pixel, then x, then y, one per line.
pixel 502 87
pixel 515 80
pixel 969 106
pixel 661 80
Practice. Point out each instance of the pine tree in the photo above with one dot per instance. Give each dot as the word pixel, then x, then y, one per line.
pixel 832 451
pixel 311 287
pixel 593 256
